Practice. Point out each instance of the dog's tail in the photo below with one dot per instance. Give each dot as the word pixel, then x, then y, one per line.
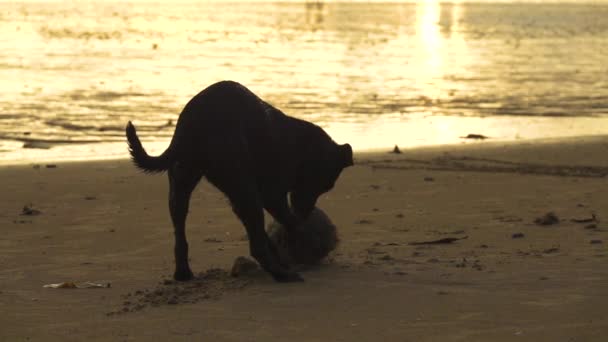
pixel 141 159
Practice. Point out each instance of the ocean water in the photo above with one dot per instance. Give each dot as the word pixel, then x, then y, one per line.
pixel 72 73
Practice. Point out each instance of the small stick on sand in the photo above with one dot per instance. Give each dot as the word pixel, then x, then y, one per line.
pixel 438 242
pixel 475 136
pixel 593 218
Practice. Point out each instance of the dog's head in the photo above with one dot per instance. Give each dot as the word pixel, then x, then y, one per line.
pixel 317 175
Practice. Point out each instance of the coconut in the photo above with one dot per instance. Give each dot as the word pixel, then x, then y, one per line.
pixel 307 243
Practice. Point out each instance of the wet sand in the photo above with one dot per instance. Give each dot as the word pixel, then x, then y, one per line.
pixel 502 278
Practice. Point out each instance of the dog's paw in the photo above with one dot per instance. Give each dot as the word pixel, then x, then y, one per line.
pixel 287 277
pixel 183 275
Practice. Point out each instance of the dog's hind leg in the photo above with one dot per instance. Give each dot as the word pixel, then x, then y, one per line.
pixel 182 180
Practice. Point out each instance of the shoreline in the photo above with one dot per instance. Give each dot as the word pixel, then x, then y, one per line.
pixel 505 277
pixel 42 156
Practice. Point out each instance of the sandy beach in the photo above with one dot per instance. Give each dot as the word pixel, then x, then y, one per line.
pixel 502 278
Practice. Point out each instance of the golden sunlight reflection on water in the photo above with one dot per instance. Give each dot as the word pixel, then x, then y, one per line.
pixel 429 35
pixel 443 47
pixel 374 75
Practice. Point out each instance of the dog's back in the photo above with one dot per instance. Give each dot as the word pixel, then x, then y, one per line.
pixel 224 114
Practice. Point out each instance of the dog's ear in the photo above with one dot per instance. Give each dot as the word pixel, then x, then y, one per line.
pixel 346 155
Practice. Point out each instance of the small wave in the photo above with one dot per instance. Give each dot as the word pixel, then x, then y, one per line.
pixel 542 106
pixel 16 116
pixel 49 141
pixel 103 95
pixel 68 125
pixel 37 145
pixel 68 33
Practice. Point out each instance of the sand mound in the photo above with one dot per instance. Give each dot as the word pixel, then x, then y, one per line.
pixel 208 285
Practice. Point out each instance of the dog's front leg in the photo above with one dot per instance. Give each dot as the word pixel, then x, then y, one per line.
pixel 237 181
pixel 247 205
pixel 261 248
pixel 278 207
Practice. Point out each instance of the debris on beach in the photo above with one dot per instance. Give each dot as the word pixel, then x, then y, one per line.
pixel 551 250
pixel 396 150
pixel 517 236
pixel 462 264
pixel 595 242
pixel 455 232
pixel 374 251
pixel 508 219
pixel 379 244
pixel 80 285
pixel 429 179
pixel 438 242
pixel 548 219
pixel 475 137
pixel 593 218
pixel 37 144
pixel 476 265
pixel 51 166
pixel 28 210
pixel 387 257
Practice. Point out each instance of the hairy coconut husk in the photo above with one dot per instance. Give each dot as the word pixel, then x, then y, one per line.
pixel 308 243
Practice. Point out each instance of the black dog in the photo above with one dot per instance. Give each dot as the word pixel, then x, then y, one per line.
pixel 256 155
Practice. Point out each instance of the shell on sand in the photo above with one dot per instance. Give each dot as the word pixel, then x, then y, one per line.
pixel 308 243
